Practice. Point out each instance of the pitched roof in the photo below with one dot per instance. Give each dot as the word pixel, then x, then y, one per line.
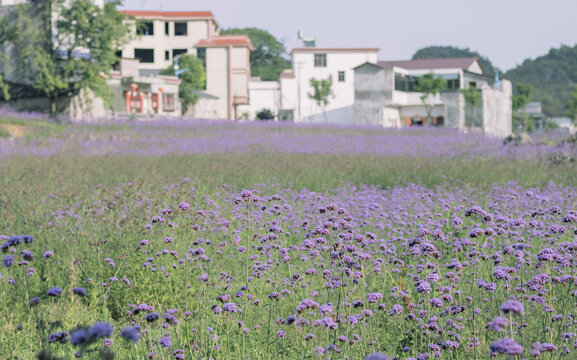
pixel 316 49
pixel 226 40
pixel 425 64
pixel 167 14
pixel 287 74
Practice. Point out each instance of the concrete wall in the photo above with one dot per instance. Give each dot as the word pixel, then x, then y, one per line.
pixel 372 92
pixel 497 109
pixel 216 83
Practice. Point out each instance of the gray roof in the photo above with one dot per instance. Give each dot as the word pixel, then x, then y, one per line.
pixel 426 64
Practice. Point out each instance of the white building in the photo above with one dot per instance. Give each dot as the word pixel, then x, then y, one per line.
pixel 322 63
pixel 162 35
pixel 263 95
pixel 385 94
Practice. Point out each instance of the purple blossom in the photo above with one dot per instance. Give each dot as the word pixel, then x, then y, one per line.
pixel 506 346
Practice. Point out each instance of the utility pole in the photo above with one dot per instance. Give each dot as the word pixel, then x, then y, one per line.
pixel 299 67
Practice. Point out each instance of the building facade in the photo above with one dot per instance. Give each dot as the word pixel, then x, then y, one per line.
pixel 386 94
pixel 160 36
pixel 322 63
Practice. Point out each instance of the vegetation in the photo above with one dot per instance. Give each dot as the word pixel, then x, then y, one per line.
pixel 552 76
pixel 322 91
pixel 442 52
pixel 430 85
pixel 473 98
pixel 268 59
pixel 265 114
pixel 78 55
pixel 192 79
pixel 572 106
pixel 521 97
pixel 225 254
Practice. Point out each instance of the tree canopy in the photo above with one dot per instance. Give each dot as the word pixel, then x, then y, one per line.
pixel 552 76
pixel 322 91
pixel 268 59
pixel 442 52
pixel 76 52
pixel 192 80
pixel 430 85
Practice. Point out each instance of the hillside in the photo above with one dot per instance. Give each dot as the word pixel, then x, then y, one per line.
pixel 553 77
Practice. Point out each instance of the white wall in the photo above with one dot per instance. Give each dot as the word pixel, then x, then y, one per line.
pixel 340 107
pixel 262 95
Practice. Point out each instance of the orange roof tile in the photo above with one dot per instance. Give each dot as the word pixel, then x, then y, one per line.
pixel 226 40
pixel 149 13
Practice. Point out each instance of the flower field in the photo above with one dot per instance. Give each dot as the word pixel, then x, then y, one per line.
pixel 218 240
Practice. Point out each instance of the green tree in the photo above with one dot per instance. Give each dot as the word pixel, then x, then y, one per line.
pixel 521 97
pixel 192 79
pixel 265 114
pixel 572 106
pixel 268 59
pixel 430 85
pixel 473 98
pixel 553 77
pixel 77 55
pixel 322 91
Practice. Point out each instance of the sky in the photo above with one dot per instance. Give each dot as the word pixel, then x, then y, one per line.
pixel 505 31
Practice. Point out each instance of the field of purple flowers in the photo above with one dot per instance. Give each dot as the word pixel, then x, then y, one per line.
pixel 194 268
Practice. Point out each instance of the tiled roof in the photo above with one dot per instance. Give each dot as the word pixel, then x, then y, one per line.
pixel 168 14
pixel 226 40
pixel 287 74
pixel 425 64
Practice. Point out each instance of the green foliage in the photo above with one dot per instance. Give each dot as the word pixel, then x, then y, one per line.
pixel 192 80
pixel 4 88
pixel 552 76
pixel 265 114
pixel 442 52
pixel 572 106
pixel 322 91
pixel 521 95
pixel 77 55
pixel 473 98
pixel 268 59
pixel 430 85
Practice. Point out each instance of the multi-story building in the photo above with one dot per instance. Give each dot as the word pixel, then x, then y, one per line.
pixel 321 64
pixel 160 36
pixel 386 94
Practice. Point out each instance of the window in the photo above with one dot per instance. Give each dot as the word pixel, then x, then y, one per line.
pixel 341 76
pixel 168 102
pixel 472 84
pixel 405 83
pixel 180 28
pixel 166 55
pixel 166 32
pixel 145 28
pixel 144 55
pixel 320 60
pixel 176 52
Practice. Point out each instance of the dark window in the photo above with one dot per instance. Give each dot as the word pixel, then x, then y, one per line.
pixel 472 84
pixel 453 84
pixel 166 28
pixel 180 28
pixel 201 54
pixel 166 55
pixel 144 55
pixel 118 54
pixel 176 52
pixel 320 60
pixel 341 76
pixel 405 83
pixel 145 28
